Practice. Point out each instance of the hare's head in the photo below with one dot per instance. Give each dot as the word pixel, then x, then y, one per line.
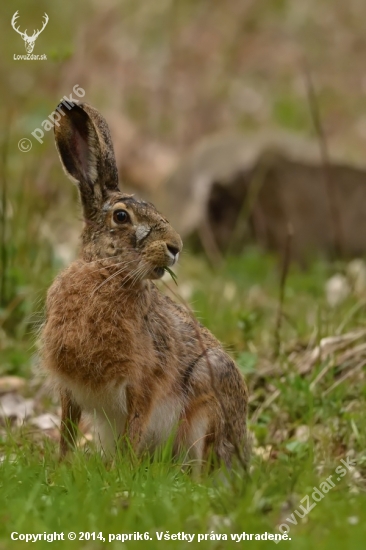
pixel 118 227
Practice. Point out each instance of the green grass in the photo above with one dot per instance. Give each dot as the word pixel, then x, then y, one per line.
pixel 39 495
pixel 153 495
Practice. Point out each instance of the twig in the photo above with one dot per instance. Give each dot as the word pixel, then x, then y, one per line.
pixel 284 273
pixel 349 315
pixel 331 189
pixel 345 376
pixel 209 244
pixel 265 404
pixel 247 208
pixel 321 375
pixel 3 209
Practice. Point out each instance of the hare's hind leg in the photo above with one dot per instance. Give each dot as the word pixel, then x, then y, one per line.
pixel 196 434
pixel 215 422
pixel 70 418
pixel 203 435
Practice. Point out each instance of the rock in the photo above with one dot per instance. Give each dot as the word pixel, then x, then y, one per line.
pixel 356 273
pixel 243 188
pixel 302 433
pixel 15 408
pixel 337 289
pixel 11 384
pixel 47 421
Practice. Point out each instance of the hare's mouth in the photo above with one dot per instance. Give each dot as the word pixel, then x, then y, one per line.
pixel 158 272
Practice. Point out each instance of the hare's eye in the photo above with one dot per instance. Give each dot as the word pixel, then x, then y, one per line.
pixel 120 216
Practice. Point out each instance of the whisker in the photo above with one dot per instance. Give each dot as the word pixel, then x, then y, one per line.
pixel 138 275
pixel 133 276
pixel 123 265
pixel 108 279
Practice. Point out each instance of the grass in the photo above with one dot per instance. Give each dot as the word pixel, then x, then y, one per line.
pixel 239 304
pixel 39 495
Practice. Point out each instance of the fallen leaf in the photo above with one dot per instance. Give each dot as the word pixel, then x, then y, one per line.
pixel 11 384
pixel 46 421
pixel 14 407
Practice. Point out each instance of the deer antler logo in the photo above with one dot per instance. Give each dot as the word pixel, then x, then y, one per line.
pixel 29 40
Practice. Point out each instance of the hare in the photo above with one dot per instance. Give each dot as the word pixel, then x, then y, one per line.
pixel 115 346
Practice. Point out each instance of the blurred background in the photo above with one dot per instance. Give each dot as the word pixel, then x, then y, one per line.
pixel 245 122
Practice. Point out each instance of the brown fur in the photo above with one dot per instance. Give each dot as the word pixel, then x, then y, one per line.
pixel 113 344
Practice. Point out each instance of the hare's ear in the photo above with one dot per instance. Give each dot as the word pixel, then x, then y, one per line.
pixel 85 147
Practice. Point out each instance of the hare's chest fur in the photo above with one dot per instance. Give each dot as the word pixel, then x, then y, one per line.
pixel 90 339
pixel 99 350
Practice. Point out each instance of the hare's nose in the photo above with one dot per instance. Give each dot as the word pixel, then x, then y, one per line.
pixel 173 251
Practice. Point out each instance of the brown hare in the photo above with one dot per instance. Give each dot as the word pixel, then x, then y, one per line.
pixel 113 344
